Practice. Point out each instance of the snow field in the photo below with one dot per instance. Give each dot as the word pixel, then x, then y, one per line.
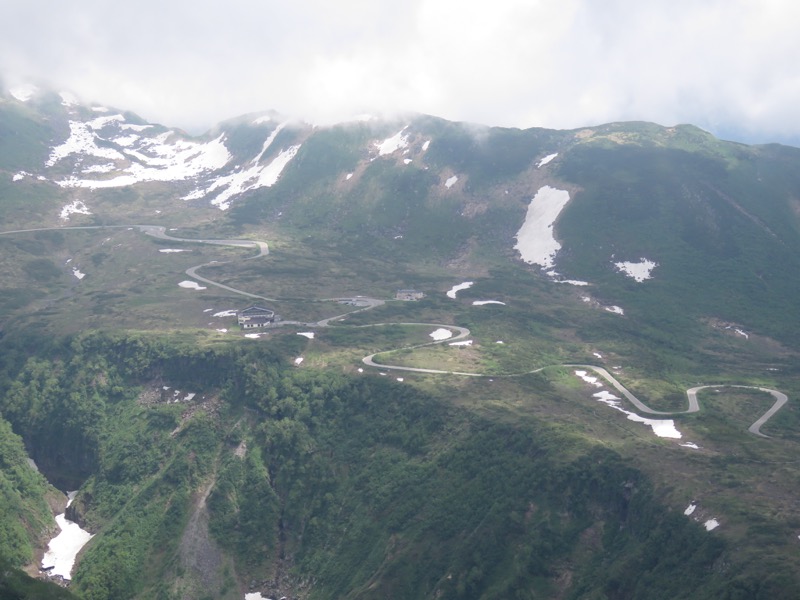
pixel 535 240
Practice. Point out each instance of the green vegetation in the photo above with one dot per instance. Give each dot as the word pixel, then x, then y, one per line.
pixel 365 487
pixel 210 465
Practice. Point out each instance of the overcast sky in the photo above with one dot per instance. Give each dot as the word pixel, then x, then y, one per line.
pixel 729 66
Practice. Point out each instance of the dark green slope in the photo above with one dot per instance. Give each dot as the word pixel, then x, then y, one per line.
pixel 327 486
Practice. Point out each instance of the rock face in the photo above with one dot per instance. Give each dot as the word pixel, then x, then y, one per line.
pixel 203 563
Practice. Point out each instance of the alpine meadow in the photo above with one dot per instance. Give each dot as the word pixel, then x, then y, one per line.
pixel 399 358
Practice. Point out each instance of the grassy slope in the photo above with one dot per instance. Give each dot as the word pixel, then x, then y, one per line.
pixel 728 236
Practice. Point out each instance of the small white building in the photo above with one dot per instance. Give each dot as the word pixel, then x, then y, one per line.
pixel 255 316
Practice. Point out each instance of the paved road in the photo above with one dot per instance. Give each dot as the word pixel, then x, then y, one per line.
pixel 462 332
pixel 362 303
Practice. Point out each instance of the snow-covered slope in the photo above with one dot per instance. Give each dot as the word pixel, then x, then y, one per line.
pixel 98 148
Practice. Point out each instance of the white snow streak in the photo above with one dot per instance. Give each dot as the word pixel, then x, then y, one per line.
pixel 661 427
pixel 451 293
pixel 535 241
pixel 392 144
pixel 546 159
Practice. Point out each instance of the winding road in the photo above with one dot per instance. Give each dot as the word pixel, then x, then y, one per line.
pixel 363 303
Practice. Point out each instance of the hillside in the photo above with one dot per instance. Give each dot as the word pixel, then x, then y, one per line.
pixel 528 428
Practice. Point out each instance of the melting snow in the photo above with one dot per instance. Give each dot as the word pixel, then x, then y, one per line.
pixel 691 445
pixel 392 144
pixel 546 159
pixel 450 181
pixel 348 176
pixel 400 379
pixel 172 250
pixel 191 285
pixel 711 524
pixel 165 157
pixel 255 176
pixel 225 313
pixel 63 549
pixel 661 427
pixel 426 145
pixel 462 343
pixel 77 273
pixel 308 334
pixel 252 335
pixel 255 596
pixel 298 360
pixel 690 509
pixel 589 379
pixel 483 302
pixel 74 208
pixel 637 270
pixel 441 334
pixel 535 241
pixel 20 175
pixel 457 288
pixel 615 309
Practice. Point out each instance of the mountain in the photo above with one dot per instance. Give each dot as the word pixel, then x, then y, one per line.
pixel 520 431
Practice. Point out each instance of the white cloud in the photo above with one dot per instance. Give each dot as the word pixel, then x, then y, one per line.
pixel 727 66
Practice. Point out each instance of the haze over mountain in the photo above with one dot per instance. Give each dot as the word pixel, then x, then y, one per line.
pixel 506 362
pixel 728 68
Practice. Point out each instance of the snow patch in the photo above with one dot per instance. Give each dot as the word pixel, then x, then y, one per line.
pixel 535 241
pixel 63 549
pixel 546 160
pixel 484 302
pixel 615 309
pixel 661 427
pixel 252 336
pixel 711 524
pixel 173 250
pixel 462 343
pixel 77 273
pixel 392 144
pixel 426 145
pixel 307 334
pixel 298 361
pixel 441 334
pixel 639 271
pixel 348 177
pixel 74 208
pixel 20 175
pixel 191 285
pixel 450 181
pixel 451 293
pixel 691 445
pixel 225 313
pixel 690 509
